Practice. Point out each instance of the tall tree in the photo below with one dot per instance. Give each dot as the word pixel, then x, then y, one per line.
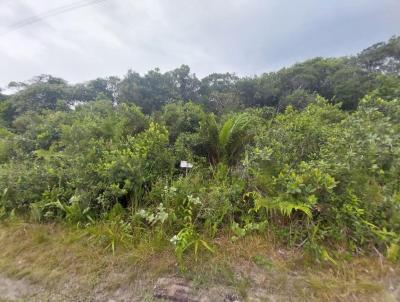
pixel 383 57
pixel 187 84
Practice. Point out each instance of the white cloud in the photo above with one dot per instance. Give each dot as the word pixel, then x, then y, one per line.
pixel 243 36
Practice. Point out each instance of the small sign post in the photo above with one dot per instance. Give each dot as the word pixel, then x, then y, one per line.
pixel 185 165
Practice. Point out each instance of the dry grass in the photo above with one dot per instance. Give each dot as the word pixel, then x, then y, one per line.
pixel 62 260
pixel 65 265
pixel 254 262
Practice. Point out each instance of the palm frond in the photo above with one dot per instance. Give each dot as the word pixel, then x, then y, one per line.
pixel 233 135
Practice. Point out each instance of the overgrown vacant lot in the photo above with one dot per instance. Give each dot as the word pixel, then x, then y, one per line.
pixel 283 187
pixel 57 263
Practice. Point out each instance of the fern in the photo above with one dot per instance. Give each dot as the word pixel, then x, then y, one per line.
pixel 74 213
pixel 277 204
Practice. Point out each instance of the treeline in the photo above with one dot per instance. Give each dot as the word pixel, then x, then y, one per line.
pixel 309 154
pixel 340 80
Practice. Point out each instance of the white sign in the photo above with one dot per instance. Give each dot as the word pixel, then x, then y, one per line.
pixel 186 165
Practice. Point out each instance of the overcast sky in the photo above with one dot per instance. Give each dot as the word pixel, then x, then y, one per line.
pixel 242 36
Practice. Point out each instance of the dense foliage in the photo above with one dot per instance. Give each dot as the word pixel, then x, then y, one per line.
pixel 310 154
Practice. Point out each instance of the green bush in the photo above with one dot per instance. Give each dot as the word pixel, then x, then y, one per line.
pixel 317 177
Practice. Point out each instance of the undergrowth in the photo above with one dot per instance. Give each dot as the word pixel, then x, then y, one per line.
pixel 321 180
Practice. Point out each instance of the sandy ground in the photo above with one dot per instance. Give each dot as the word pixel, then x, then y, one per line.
pixel 15 290
pixel 12 290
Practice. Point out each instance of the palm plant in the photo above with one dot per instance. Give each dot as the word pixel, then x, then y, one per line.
pixel 234 134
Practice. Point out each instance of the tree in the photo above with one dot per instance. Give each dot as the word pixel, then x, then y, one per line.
pixel 299 99
pixel 98 89
pixel 45 93
pixel 150 92
pixel 219 94
pixel 383 57
pixel 187 84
